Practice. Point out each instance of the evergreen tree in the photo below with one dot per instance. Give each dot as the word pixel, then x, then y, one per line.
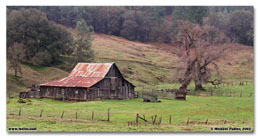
pixel 82 51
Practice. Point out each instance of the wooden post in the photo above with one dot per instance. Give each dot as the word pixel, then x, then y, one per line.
pixel 211 92
pixel 206 121
pixel 241 94
pixel 160 121
pixel 41 113
pixel 62 115
pixel 76 115
pixel 20 111
pixel 136 120
pixel 230 93
pixel 188 121
pixel 108 114
pixel 92 115
pixel 154 119
pixel 170 121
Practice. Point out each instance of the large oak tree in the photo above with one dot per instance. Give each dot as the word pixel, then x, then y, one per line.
pixel 199 49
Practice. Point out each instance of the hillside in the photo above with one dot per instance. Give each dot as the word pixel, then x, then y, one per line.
pixel 153 64
pixel 141 63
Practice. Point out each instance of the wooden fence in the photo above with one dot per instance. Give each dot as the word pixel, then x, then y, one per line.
pixel 140 119
pixel 212 91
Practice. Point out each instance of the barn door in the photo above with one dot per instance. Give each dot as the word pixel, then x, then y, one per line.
pixel 113 86
pixel 63 94
pixel 113 83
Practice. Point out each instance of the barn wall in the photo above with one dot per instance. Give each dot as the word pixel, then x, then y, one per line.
pixel 120 89
pixel 65 93
pixel 113 86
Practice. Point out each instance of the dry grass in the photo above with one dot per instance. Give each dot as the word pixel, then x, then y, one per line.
pixel 159 61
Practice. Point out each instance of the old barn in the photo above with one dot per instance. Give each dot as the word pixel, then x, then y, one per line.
pixel 90 81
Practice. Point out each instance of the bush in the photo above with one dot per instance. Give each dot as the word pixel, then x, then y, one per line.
pixel 21 101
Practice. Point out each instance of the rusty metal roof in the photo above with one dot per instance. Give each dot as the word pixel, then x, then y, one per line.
pixel 83 75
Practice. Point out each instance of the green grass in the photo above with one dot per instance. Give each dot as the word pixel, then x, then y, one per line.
pixel 237 111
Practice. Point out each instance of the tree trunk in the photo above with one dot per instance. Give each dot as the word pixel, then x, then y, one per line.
pixel 199 87
pixel 186 81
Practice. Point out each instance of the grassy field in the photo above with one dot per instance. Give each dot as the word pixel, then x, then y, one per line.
pixel 235 112
pixel 239 113
pixel 147 66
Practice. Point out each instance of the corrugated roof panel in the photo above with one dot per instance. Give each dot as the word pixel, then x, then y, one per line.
pixel 83 75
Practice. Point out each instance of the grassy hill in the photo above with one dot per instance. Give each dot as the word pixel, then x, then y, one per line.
pixel 143 64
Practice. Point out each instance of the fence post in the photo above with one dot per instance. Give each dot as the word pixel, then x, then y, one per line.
pixel 170 121
pixel 188 121
pixel 62 115
pixel 211 92
pixel 76 115
pixel 136 120
pixel 241 94
pixel 160 121
pixel 154 119
pixel 20 110
pixel 41 113
pixel 108 114
pixel 206 121
pixel 92 116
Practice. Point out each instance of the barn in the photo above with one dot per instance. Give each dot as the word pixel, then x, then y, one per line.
pixel 90 81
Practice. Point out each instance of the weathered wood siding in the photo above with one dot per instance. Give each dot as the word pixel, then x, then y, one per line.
pixel 113 86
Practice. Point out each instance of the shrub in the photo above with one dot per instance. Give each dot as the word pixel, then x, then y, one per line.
pixel 21 101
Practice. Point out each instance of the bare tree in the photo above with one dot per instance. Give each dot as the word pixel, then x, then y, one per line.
pixel 15 53
pixel 199 48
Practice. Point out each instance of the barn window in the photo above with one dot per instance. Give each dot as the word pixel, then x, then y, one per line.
pixel 113 83
pixel 76 92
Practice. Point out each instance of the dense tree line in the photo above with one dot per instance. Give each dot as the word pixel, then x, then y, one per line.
pixel 32 38
pixel 144 23
pixel 157 23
